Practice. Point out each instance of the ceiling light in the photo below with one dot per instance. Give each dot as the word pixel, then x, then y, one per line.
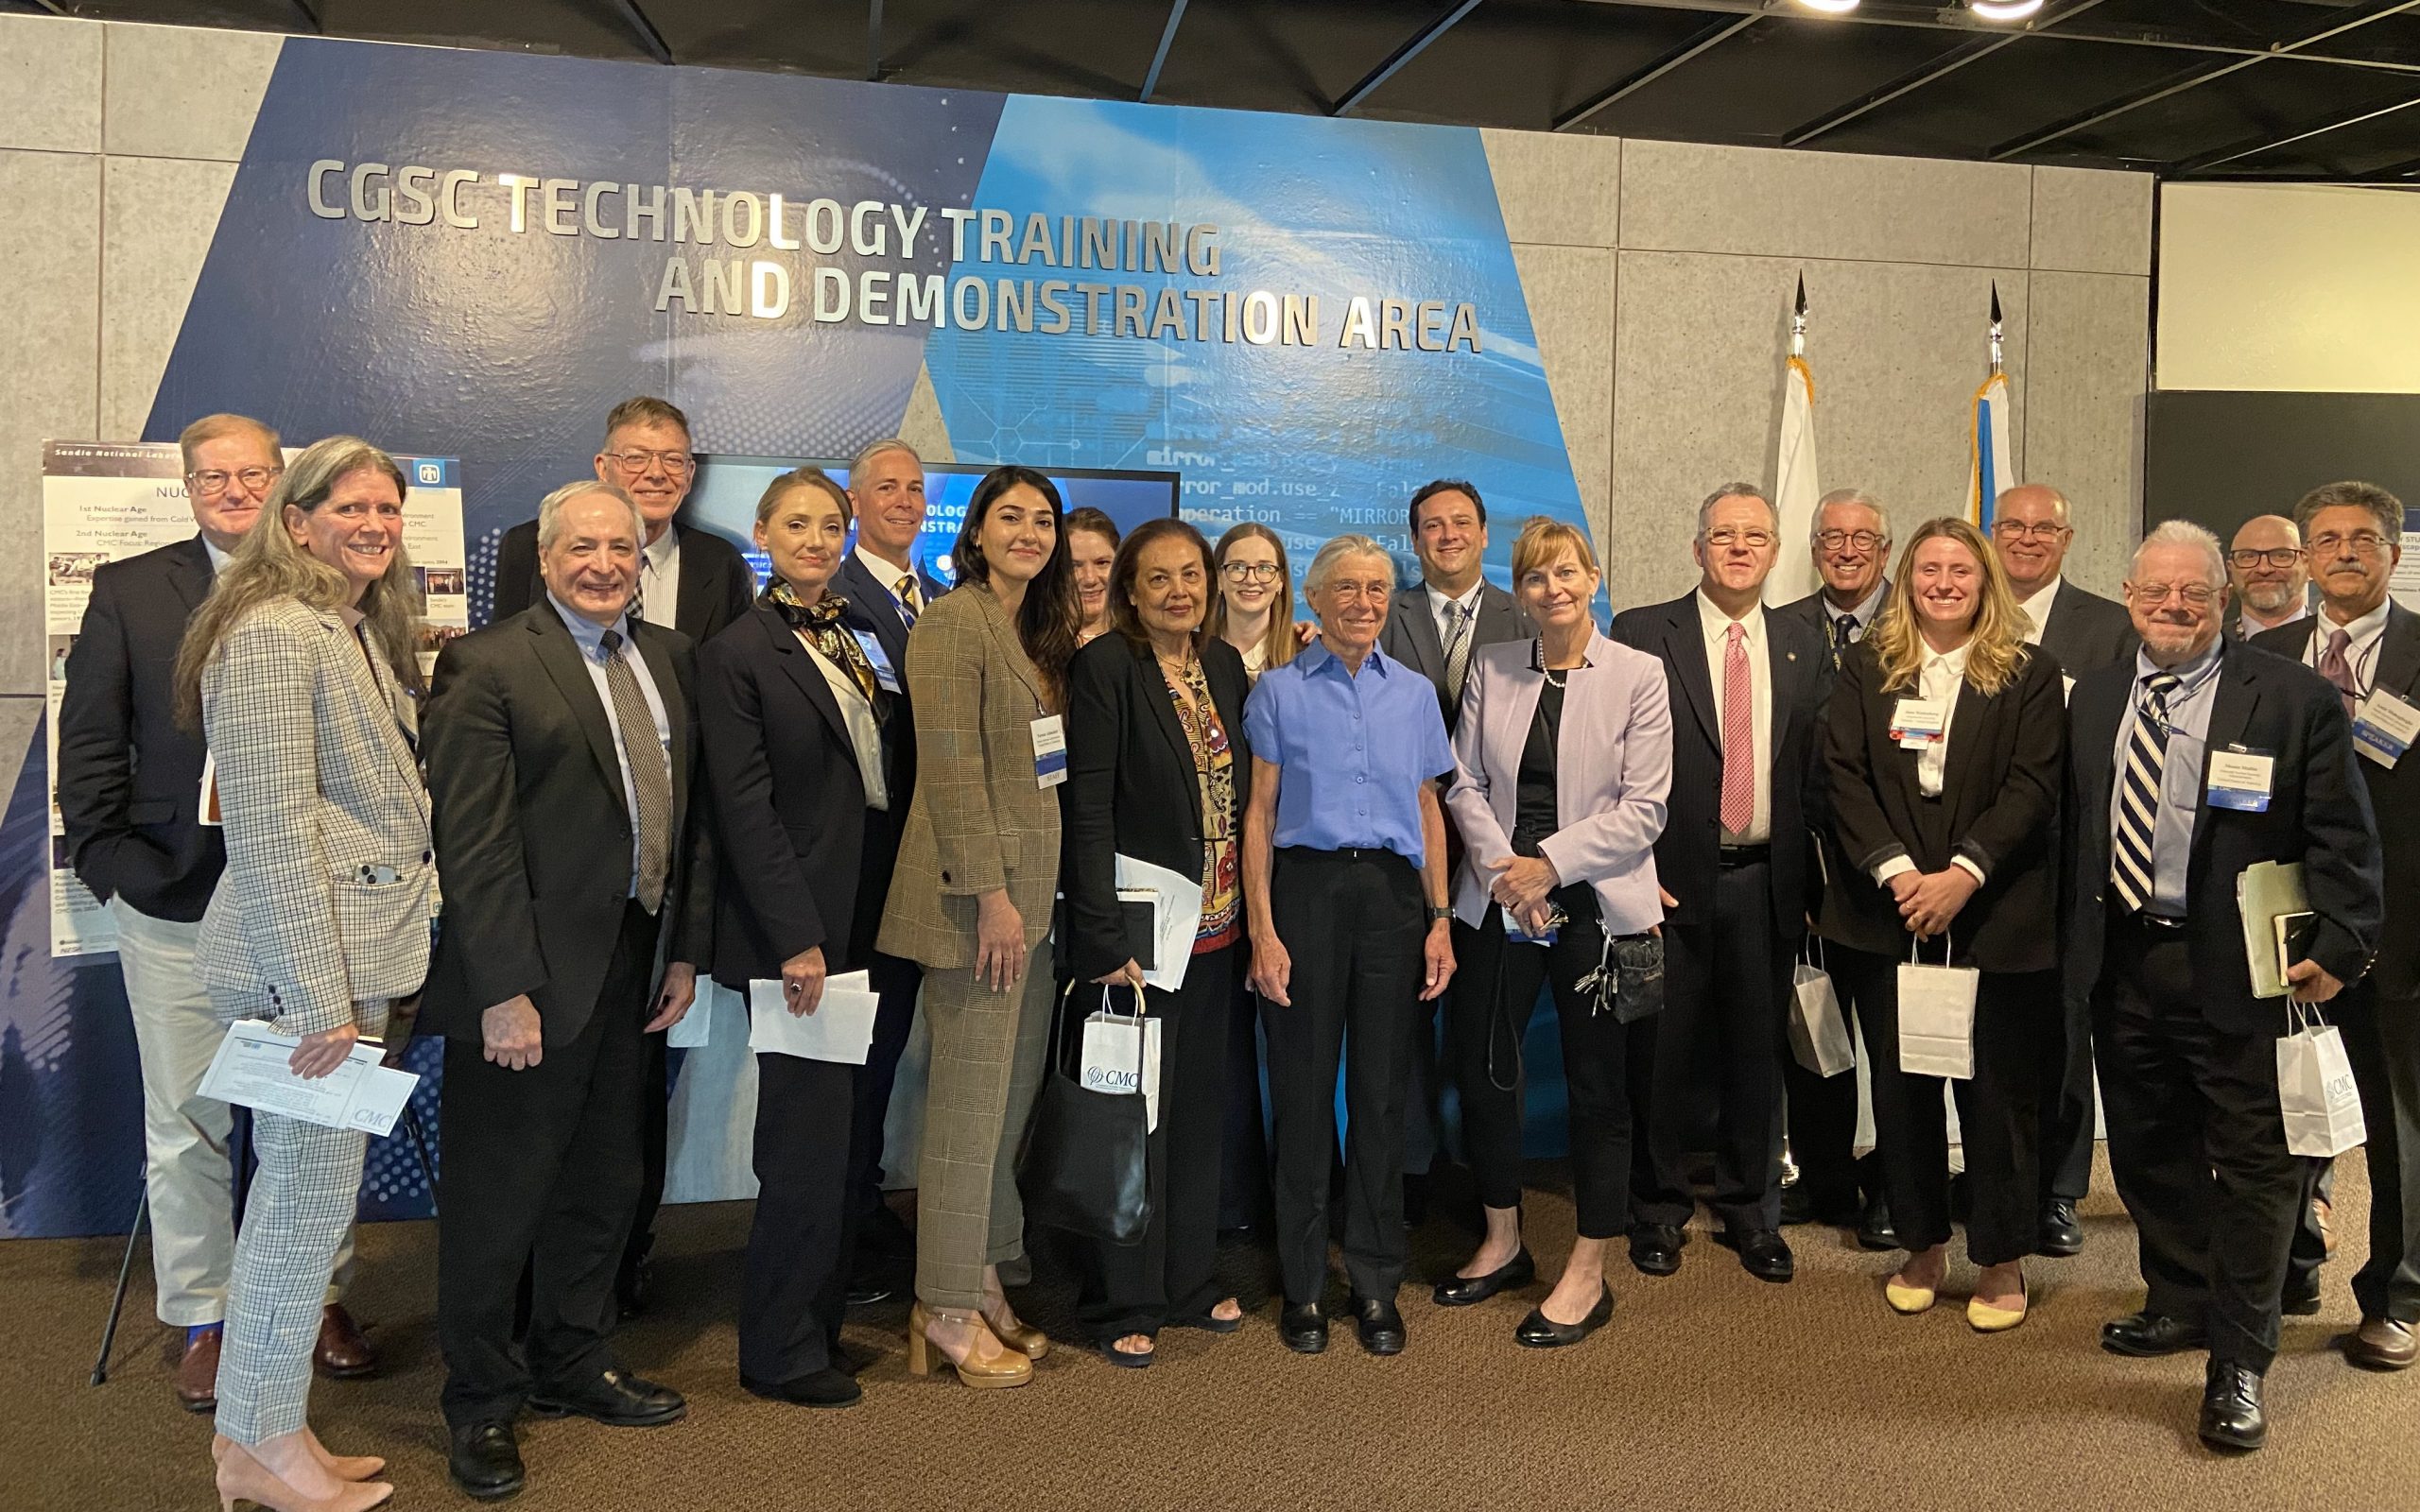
pixel 2004 10
pixel 1830 7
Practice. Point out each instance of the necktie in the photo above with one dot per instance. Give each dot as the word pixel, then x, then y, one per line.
pixel 1843 636
pixel 1457 652
pixel 2130 861
pixel 2336 666
pixel 650 776
pixel 1739 736
pixel 909 607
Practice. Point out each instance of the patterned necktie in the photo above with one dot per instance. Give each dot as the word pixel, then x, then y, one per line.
pixel 910 605
pixel 1457 652
pixel 1843 636
pixel 2336 666
pixel 2130 861
pixel 650 776
pixel 1739 735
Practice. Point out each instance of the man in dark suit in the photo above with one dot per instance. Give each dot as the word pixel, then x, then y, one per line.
pixel 2084 632
pixel 2368 646
pixel 130 795
pixel 881 578
pixel 2270 576
pixel 1735 864
pixel 1851 544
pixel 554 739
pixel 693 581
pixel 2230 756
pixel 1432 626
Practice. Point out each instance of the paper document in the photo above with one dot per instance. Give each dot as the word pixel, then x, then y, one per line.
pixel 2265 892
pixel 1176 916
pixel 840 1029
pixel 251 1069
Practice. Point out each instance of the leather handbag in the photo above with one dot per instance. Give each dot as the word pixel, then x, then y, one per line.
pixel 1085 1162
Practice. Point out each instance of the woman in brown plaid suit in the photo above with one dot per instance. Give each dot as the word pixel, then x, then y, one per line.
pixel 978 864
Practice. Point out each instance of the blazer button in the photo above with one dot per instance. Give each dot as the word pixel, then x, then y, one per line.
pixel 427 856
pixel 945 876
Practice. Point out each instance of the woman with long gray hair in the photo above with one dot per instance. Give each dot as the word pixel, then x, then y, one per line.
pixel 300 669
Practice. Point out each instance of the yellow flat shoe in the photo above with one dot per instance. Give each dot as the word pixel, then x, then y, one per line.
pixel 1907 1300
pixel 1985 1319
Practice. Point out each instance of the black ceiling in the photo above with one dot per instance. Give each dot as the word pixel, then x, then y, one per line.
pixel 2258 89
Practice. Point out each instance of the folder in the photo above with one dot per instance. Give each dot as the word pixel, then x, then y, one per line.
pixel 840 1029
pixel 2267 892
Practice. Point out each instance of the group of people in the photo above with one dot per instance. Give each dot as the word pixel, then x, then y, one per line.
pixel 1429 796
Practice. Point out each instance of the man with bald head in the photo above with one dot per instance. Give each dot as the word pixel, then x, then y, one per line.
pixel 2270 577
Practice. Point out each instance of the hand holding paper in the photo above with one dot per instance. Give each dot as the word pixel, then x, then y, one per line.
pixel 255 1067
pixel 840 1029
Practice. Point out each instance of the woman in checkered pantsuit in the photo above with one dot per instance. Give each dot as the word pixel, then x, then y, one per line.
pixel 301 670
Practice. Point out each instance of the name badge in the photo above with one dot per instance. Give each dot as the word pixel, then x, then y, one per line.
pixel 1919 722
pixel 2384 726
pixel 885 675
pixel 2240 780
pixel 1515 935
pixel 1049 751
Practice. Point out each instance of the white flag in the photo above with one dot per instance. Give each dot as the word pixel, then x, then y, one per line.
pixel 1796 490
pixel 1987 469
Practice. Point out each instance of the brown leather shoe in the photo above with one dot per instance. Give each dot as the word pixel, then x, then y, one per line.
pixel 342 1353
pixel 2382 1344
pixel 198 1373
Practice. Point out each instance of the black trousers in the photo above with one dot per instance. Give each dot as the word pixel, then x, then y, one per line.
pixel 1998 1121
pixel 805 1231
pixel 1495 990
pixel 1172 1273
pixel 895 982
pixel 1823 1120
pixel 1352 921
pixel 2196 1143
pixel 2064 1098
pixel 1722 1037
pixel 541 1175
pixel 2383 1039
pixel 1243 1178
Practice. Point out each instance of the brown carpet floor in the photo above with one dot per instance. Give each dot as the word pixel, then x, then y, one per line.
pixel 1710 1389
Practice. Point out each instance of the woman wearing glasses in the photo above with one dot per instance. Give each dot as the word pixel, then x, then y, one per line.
pixel 1254 611
pixel 1945 740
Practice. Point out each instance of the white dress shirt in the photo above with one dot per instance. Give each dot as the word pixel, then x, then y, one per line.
pixel 1866 613
pixel 1442 608
pixel 865 735
pixel 2180 785
pixel 888 574
pixel 2361 651
pixel 1716 625
pixel 218 558
pixel 2037 611
pixel 1942 676
pixel 660 578
pixel 590 637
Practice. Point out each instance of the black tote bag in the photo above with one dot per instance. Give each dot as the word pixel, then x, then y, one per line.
pixel 1084 1164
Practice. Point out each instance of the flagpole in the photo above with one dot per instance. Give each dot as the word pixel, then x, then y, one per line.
pixel 1796 490
pixel 1988 471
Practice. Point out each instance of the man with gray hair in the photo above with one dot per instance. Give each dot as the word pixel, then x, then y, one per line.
pixel 1736 864
pixel 881 575
pixel 2199 759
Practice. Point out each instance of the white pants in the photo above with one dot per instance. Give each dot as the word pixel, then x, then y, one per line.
pixel 186 1170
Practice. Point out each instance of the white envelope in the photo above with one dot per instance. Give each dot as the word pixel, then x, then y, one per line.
pixel 840 1029
pixel 1176 916
pixel 251 1069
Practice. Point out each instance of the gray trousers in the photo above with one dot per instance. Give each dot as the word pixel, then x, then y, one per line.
pixel 988 1049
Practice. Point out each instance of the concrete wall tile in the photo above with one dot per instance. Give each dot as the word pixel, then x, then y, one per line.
pixel 1553 188
pixel 2087 221
pixel 1683 196
pixel 159 215
pixel 50 85
pixel 181 92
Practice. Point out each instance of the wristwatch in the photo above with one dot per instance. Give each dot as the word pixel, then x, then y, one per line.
pixel 1438 914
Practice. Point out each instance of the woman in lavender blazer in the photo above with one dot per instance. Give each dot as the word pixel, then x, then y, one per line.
pixel 1564 755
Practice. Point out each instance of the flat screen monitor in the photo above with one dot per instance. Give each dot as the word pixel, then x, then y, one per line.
pixel 723 500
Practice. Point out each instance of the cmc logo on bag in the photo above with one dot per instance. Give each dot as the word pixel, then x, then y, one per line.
pixel 1108 1079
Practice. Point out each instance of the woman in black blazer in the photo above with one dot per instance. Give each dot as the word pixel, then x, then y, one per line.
pixel 1158 770
pixel 1947 738
pixel 802 739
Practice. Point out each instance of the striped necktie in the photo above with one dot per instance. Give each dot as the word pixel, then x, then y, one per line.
pixel 909 607
pixel 2130 861
pixel 1458 653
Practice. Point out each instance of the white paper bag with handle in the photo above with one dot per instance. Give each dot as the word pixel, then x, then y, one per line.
pixel 1937 1016
pixel 1818 1031
pixel 1113 1063
pixel 2315 1087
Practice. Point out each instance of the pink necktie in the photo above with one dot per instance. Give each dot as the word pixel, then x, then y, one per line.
pixel 2336 668
pixel 1739 737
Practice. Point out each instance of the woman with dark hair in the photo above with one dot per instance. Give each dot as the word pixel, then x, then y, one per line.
pixel 1158 770
pixel 979 863
pixel 1092 549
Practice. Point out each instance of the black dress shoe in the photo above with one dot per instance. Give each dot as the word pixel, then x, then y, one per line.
pixel 2300 1296
pixel 2061 1235
pixel 485 1461
pixel 1304 1327
pixel 1803 1204
pixel 1462 1291
pixel 866 1291
pixel 1379 1324
pixel 2232 1417
pixel 614 1398
pixel 827 1387
pixel 1764 1254
pixel 1875 1229
pixel 1539 1331
pixel 2150 1335
pixel 1655 1248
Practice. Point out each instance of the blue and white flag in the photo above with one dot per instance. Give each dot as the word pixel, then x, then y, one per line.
pixel 1987 468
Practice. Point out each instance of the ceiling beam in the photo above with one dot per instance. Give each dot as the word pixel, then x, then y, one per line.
pixel 1159 59
pixel 1972 50
pixel 1410 50
pixel 310 14
pixel 874 40
pixel 2136 100
pixel 1637 78
pixel 644 29
pixel 2225 155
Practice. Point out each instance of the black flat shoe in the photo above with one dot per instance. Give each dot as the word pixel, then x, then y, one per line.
pixel 827 1387
pixel 1463 1290
pixel 1122 1359
pixel 614 1398
pixel 2150 1335
pixel 1655 1248
pixel 2061 1235
pixel 1304 1327
pixel 2231 1414
pixel 1764 1254
pixel 1539 1331
pixel 1875 1229
pixel 2300 1296
pixel 1379 1325
pixel 485 1462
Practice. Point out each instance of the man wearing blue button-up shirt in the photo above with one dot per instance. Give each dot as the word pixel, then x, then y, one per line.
pixel 1344 849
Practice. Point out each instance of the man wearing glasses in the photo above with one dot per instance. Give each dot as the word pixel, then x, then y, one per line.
pixel 130 795
pixel 693 581
pixel 2271 579
pixel 2368 646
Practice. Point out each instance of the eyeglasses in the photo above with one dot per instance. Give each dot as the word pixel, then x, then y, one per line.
pixel 1861 540
pixel 2363 543
pixel 1726 536
pixel 1251 571
pixel 211 482
pixel 2274 556
pixel 2019 530
pixel 675 464
pixel 2196 594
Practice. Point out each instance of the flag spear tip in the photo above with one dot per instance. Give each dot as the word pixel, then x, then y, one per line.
pixel 1801 294
pixel 1995 301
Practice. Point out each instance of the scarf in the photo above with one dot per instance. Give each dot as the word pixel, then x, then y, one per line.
pixel 819 624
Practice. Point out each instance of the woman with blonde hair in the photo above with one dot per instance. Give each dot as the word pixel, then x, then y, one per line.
pixel 1945 745
pixel 1254 609
pixel 300 669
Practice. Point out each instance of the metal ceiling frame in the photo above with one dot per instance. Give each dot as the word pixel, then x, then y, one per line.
pixel 1159 59
pixel 640 26
pixel 874 41
pixel 1972 50
pixel 1638 78
pixel 1412 48
pixel 310 15
pixel 2225 155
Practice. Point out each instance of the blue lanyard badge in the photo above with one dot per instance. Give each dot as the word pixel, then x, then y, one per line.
pixel 885 675
pixel 1049 751
pixel 2240 780
pixel 2384 727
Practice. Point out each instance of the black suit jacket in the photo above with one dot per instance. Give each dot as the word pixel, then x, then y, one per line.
pixel 2319 815
pixel 789 800
pixel 2394 796
pixel 870 597
pixel 1132 786
pixel 130 776
pixel 1410 637
pixel 1688 854
pixel 717 586
pixel 1999 798
pixel 532 829
pixel 2087 631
